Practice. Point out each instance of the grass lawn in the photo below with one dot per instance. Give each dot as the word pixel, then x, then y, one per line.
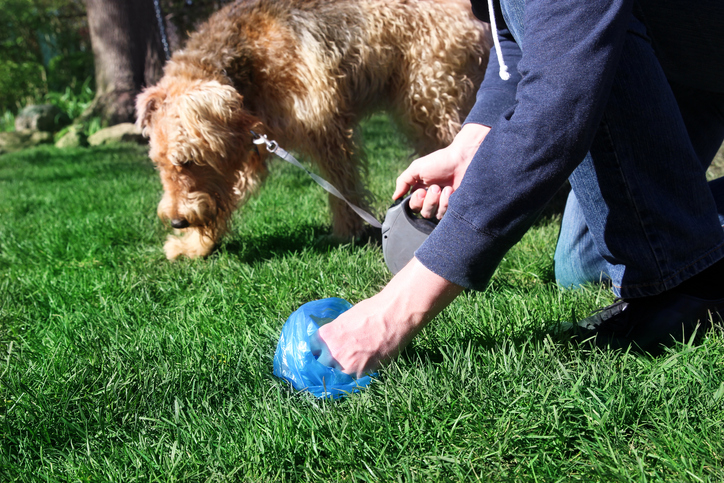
pixel 117 365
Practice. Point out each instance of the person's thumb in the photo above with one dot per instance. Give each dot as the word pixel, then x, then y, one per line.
pixel 320 351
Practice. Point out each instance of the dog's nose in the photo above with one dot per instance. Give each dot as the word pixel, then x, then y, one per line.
pixel 179 223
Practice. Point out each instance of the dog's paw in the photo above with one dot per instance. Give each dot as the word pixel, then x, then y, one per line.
pixel 192 244
pixel 173 247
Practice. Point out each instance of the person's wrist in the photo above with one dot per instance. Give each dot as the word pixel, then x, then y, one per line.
pixel 469 139
pixel 416 295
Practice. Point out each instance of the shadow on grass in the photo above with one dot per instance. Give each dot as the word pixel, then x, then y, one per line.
pixel 532 331
pixel 534 338
pixel 552 332
pixel 250 248
pixel 555 206
pixel 108 161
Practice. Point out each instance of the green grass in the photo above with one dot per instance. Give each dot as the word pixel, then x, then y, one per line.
pixel 116 365
pixel 7 122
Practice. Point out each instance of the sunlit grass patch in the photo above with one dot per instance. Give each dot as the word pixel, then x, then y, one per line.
pixel 117 365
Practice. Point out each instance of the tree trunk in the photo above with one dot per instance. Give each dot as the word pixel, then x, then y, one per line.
pixel 128 55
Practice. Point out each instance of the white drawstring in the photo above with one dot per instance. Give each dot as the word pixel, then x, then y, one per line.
pixel 503 72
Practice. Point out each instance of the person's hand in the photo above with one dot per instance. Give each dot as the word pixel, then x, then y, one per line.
pixel 377 329
pixel 434 177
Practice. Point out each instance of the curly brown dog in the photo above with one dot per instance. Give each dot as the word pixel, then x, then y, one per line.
pixel 304 73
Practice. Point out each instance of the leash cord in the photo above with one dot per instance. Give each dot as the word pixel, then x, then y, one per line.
pixel 161 28
pixel 273 147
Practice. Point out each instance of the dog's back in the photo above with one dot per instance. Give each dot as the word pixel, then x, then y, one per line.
pixel 303 61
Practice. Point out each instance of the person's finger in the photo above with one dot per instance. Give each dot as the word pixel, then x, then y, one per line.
pixel 404 182
pixel 316 344
pixel 444 201
pixel 321 352
pixel 429 206
pixel 417 199
pixel 326 359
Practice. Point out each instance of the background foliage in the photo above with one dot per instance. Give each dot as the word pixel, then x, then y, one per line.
pixel 46 54
pixel 45 47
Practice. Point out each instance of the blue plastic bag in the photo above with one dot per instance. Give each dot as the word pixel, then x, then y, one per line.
pixel 295 362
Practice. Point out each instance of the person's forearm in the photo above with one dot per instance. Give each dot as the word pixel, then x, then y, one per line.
pixel 495 95
pixel 417 295
pixel 468 140
pixel 377 329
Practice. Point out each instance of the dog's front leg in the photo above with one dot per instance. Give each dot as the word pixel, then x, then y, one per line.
pixel 341 160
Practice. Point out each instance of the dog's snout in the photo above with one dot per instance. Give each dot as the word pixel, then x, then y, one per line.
pixel 180 223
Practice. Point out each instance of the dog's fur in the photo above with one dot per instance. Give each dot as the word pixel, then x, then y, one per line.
pixel 304 72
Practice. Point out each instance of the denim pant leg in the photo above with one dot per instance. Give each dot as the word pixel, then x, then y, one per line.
pixel 643 193
pixel 577 259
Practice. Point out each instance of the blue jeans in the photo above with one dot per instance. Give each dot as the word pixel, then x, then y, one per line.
pixel 578 260
pixel 641 213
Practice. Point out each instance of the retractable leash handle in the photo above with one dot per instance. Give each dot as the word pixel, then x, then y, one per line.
pixel 402 234
pixel 402 231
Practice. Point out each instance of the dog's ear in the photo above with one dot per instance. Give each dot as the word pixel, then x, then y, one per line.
pixel 209 116
pixel 147 103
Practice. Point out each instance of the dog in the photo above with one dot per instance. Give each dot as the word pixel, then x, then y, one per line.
pixel 304 73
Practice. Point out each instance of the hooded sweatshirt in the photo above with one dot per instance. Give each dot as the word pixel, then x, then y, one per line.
pixel 544 117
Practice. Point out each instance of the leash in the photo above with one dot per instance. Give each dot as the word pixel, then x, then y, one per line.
pixel 162 28
pixel 273 147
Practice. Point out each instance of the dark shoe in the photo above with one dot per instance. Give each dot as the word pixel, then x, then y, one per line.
pixel 648 324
